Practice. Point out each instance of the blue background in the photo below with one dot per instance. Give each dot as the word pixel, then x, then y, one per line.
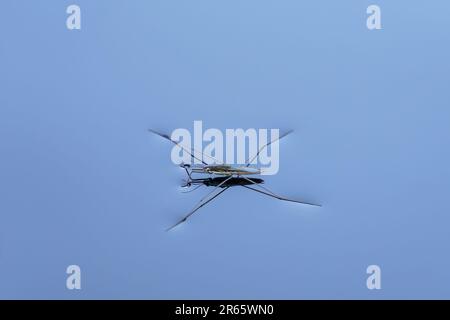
pixel 82 181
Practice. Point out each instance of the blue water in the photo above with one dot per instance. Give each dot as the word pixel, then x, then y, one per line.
pixel 83 182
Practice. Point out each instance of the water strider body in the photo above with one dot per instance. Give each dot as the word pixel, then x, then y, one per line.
pixel 225 170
